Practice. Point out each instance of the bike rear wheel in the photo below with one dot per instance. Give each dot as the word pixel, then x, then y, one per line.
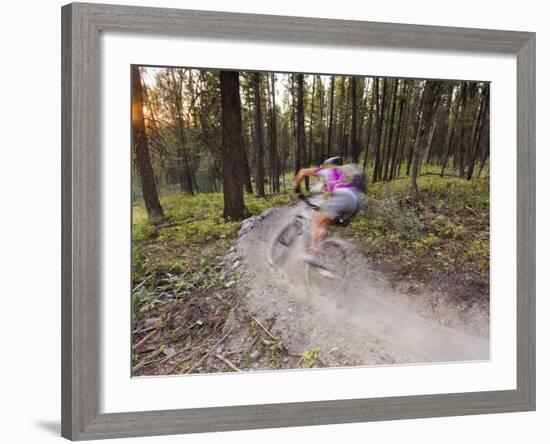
pixel 282 242
pixel 327 278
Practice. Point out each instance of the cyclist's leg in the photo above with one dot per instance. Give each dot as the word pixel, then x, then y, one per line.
pixel 319 226
pixel 331 209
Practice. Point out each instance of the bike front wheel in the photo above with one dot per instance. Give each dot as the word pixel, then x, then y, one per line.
pixel 281 244
pixel 328 277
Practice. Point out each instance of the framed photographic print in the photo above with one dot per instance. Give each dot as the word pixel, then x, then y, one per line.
pixel 278 221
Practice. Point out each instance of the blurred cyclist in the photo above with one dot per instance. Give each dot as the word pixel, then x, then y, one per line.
pixel 346 185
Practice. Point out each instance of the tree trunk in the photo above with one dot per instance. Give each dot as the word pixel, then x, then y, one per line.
pixel 232 146
pixel 300 126
pixel 485 135
pixel 398 135
pixel 354 139
pixel 425 131
pixel 369 125
pixel 141 148
pixel 379 123
pixel 459 162
pixel 321 117
pixel 274 137
pixel 484 158
pixel 409 117
pixel 438 140
pixel 415 146
pixel 185 172
pixel 473 102
pixel 310 147
pixel 476 133
pixel 342 118
pixel 416 132
pixel 331 117
pixel 246 179
pixel 451 117
pixel 390 124
pixel 294 125
pixel 362 114
pixel 258 127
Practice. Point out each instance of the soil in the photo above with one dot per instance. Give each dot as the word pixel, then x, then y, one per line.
pixel 266 318
pixel 374 321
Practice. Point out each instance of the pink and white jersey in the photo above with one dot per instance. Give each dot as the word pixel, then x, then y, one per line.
pixel 334 179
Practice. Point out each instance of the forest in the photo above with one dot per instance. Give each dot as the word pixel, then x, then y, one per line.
pixel 202 131
pixel 213 148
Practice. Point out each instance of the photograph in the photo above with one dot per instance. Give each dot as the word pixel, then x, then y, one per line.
pixel 274 222
pixel 287 220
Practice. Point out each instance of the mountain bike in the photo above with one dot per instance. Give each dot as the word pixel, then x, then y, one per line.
pixel 327 276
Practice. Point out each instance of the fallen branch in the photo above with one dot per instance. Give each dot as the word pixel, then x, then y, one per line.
pixel 209 352
pixel 439 174
pixel 167 225
pixel 143 330
pixel 228 362
pixel 144 362
pixel 140 365
pixel 425 174
pixel 167 358
pixel 144 340
pixel 237 351
pixel 178 363
pixel 222 299
pixel 263 328
pixel 212 348
pixel 141 284
pixel 472 210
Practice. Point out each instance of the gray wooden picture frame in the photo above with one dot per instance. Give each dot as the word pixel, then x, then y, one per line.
pixel 81 231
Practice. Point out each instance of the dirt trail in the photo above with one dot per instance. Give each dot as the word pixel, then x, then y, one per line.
pixel 374 322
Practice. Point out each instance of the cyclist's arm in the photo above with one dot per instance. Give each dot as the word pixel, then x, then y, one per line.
pixel 302 173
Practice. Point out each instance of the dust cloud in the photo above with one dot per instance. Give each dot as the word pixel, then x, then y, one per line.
pixel 371 321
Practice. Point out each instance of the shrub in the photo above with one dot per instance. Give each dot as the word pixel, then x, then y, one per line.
pixel 388 215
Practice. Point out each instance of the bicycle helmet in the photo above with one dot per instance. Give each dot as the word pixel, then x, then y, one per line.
pixel 336 160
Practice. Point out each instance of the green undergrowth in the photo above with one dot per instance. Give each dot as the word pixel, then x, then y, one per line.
pixel 183 251
pixel 442 239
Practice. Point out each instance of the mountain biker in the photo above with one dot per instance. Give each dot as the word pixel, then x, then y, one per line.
pixel 345 185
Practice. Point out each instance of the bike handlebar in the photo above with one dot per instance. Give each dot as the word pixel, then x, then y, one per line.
pixel 305 199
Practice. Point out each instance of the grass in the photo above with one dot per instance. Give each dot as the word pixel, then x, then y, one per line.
pixel 445 235
pixel 441 240
pixel 190 241
pixel 308 357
